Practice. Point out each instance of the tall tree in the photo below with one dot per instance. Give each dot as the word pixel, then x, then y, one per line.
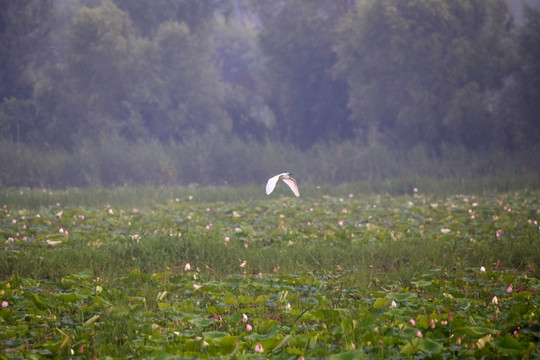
pixel 91 93
pixel 422 71
pixel 115 80
pixel 297 39
pixel 521 106
pixel 191 94
pixel 239 61
pixel 24 26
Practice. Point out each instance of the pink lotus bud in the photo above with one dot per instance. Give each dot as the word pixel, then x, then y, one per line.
pixel 259 348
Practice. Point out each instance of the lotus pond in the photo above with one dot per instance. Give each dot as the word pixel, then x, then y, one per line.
pixel 344 277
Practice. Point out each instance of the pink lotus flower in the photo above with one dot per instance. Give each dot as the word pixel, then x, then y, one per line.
pixel 249 327
pixel 412 322
pixel 259 348
pixel 4 304
pixel 509 289
pixel 419 333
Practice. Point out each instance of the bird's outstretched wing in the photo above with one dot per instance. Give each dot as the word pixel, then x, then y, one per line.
pixel 271 184
pixel 292 184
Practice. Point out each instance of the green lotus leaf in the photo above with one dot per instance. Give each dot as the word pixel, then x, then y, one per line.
pixel 202 322
pixel 507 345
pixel 431 346
pixel 381 302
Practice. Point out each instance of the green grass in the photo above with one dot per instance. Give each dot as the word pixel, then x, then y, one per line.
pixel 337 272
pixel 142 196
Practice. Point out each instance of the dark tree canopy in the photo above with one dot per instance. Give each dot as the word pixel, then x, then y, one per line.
pixel 297 40
pixel 24 25
pixel 423 71
pixel 407 73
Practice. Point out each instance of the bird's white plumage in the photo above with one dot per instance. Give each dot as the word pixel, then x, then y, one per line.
pixel 287 179
pixel 271 184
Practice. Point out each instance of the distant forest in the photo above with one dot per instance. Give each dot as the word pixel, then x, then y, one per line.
pixel 401 74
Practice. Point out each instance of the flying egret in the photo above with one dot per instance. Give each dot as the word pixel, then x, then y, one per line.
pixel 287 179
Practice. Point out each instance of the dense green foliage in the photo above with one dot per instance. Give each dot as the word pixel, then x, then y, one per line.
pixel 309 102
pixel 396 73
pixel 350 275
pixel 215 159
pixel 420 71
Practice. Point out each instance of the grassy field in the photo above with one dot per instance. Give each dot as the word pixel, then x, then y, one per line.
pixel 369 270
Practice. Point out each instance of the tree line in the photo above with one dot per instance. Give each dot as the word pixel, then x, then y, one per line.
pixel 395 72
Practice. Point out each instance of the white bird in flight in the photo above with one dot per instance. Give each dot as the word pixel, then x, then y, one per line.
pixel 287 179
